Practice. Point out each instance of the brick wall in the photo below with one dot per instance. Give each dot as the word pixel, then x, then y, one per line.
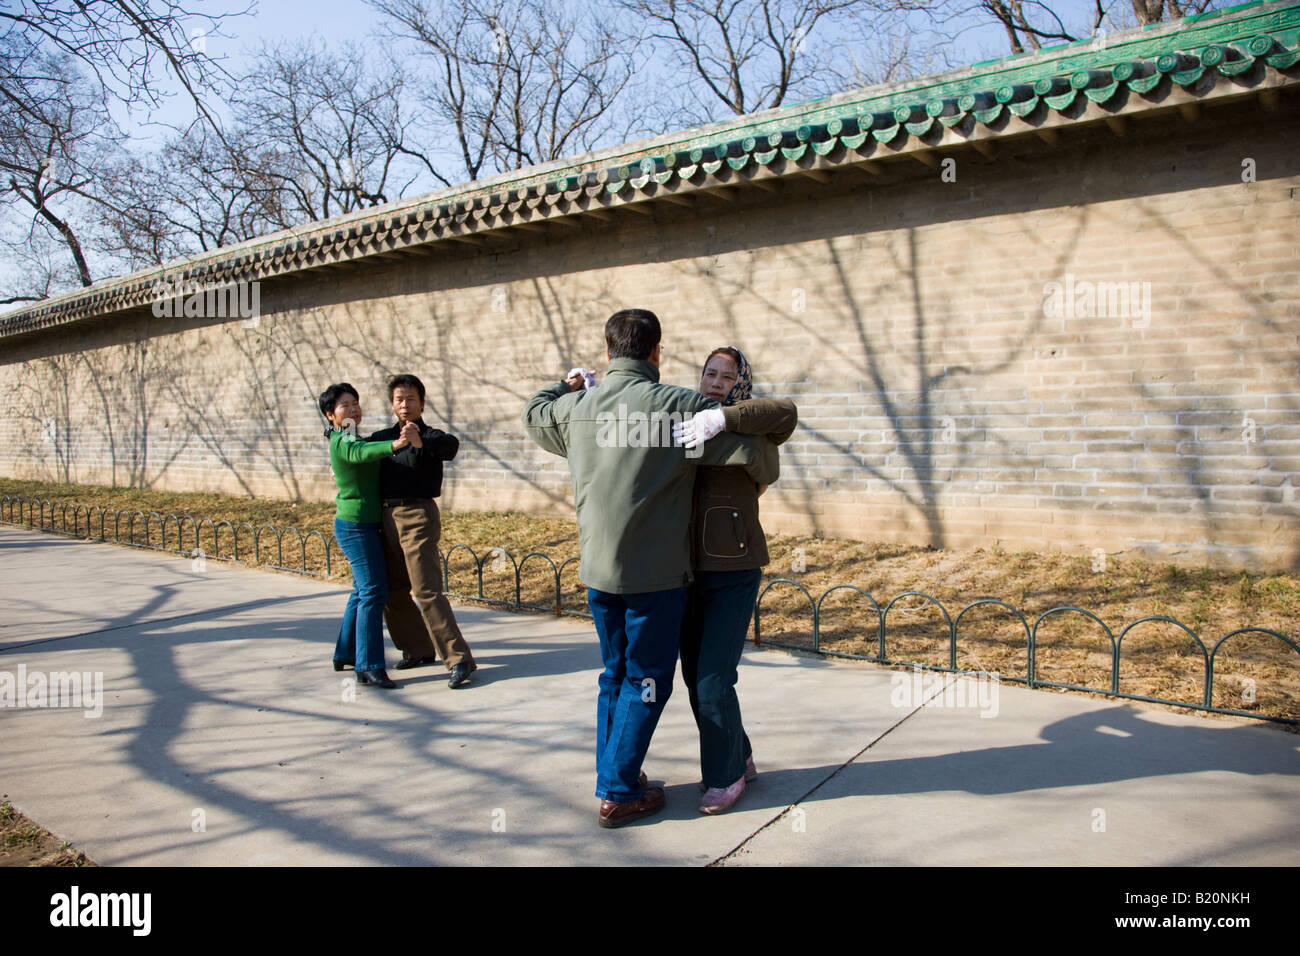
pixel 949 393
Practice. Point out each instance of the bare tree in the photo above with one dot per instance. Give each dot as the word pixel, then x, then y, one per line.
pixel 749 55
pixel 882 47
pixel 51 151
pixel 62 63
pixel 1028 24
pixel 124 44
pixel 515 82
pixel 328 131
pixel 198 192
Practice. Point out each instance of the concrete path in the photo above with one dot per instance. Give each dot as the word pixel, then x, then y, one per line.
pixel 226 738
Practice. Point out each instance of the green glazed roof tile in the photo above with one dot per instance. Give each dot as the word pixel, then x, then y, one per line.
pixel 1024 107
pixel 1145 84
pixel 1100 94
pixel 1187 77
pixel 1236 67
pixel 1215 53
pixel 1258 46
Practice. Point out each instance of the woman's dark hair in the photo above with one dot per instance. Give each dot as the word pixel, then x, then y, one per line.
pixel 632 333
pixel 405 381
pixel 330 397
pixel 729 352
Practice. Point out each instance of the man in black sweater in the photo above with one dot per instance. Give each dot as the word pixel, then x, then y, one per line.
pixel 410 480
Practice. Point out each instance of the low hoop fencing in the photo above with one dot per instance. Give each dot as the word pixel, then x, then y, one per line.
pixel 951 628
pixel 190 534
pixel 149 531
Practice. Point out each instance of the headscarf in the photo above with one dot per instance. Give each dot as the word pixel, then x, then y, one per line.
pixel 744 375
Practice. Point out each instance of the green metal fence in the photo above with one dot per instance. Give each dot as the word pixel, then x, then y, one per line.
pixel 66 518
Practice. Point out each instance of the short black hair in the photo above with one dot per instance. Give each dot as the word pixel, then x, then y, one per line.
pixel 409 381
pixel 632 333
pixel 330 397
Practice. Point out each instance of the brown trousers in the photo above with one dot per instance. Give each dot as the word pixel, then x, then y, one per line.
pixel 411 534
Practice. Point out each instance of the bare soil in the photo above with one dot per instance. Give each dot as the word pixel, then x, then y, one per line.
pixel 24 843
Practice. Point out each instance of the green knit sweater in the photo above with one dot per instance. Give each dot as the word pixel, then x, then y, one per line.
pixel 356 471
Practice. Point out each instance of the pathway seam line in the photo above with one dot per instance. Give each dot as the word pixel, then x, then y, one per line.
pixel 833 774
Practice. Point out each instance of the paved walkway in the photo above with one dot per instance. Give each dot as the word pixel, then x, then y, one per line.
pixel 226 738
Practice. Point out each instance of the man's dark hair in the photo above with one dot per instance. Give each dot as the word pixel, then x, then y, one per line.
pixel 408 381
pixel 632 333
pixel 330 397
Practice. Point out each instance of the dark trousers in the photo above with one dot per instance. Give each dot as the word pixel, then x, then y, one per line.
pixel 639 636
pixel 718 613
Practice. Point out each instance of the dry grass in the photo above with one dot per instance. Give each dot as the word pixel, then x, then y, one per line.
pixel 1159 659
pixel 23 843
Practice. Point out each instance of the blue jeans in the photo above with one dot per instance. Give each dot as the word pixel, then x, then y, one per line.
pixel 639 636
pixel 713 637
pixel 361 636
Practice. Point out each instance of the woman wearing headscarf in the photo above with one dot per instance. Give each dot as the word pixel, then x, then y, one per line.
pixel 728 551
pixel 355 464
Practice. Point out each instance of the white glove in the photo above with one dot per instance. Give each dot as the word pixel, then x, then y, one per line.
pixel 588 377
pixel 698 430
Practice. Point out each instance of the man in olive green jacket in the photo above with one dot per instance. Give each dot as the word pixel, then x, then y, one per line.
pixel 633 486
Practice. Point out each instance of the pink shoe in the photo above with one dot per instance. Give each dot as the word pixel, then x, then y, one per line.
pixel 720 801
pixel 751 774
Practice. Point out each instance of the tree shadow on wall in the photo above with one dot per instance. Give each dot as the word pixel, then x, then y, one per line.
pixel 910 370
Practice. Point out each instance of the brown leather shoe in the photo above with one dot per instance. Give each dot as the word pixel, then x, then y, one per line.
pixel 615 814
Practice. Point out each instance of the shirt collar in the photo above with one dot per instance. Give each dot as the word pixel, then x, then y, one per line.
pixel 636 368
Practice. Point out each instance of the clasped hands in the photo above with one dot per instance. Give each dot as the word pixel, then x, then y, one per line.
pixel 410 435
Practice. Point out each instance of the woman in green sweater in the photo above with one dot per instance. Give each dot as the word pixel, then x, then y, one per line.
pixel 355 464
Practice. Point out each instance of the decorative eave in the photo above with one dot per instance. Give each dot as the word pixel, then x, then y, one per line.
pixel 1243 53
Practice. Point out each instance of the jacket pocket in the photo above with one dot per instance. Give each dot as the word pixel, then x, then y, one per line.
pixel 724 532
